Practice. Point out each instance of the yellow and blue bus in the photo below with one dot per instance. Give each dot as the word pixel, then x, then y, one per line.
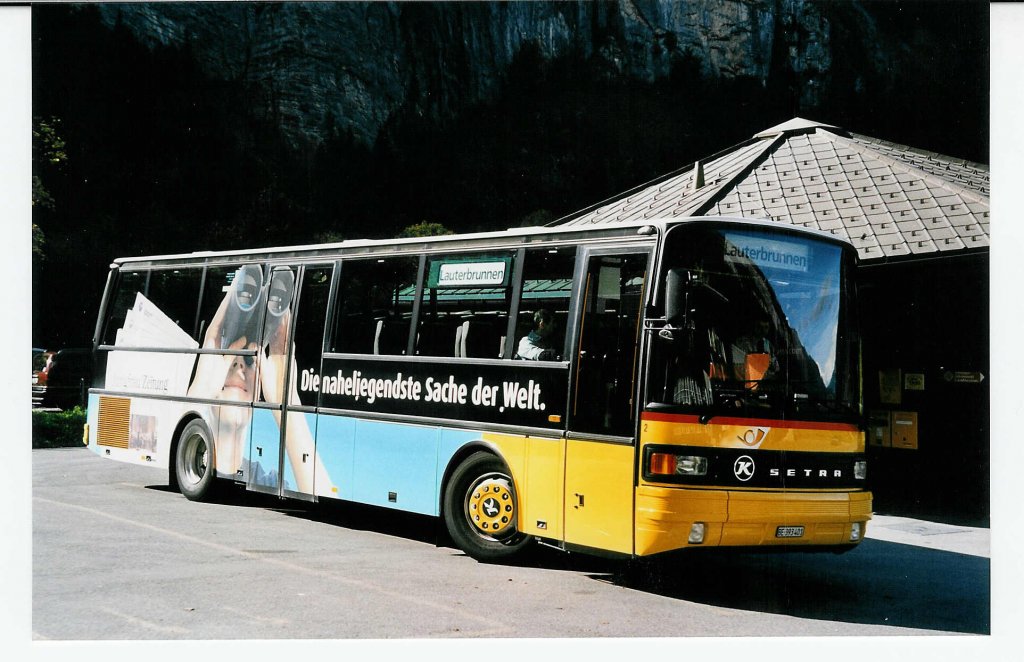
pixel 627 390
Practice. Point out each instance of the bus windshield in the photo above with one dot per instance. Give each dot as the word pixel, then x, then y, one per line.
pixel 758 323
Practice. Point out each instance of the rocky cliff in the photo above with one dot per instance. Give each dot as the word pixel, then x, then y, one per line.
pixel 191 126
pixel 353 65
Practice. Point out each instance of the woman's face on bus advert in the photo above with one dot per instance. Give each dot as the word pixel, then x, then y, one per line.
pixel 240 380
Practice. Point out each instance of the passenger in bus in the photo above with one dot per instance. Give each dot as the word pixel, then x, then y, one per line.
pixel 753 354
pixel 538 345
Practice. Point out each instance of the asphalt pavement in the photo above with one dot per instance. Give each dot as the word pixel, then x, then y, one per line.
pixel 974 541
pixel 116 555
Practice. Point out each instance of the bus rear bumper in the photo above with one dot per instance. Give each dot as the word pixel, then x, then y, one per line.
pixel 665 518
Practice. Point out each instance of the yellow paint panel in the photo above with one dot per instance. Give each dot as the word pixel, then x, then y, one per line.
pixel 754 518
pixel 754 434
pixel 797 508
pixel 664 516
pixel 735 518
pixel 538 469
pixel 599 495
pixel 860 506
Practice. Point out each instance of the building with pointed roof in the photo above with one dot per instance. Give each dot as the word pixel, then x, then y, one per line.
pixel 889 200
pixel 920 223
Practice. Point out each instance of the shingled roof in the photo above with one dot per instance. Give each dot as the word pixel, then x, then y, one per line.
pixel 889 200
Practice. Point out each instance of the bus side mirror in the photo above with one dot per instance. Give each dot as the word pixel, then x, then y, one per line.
pixel 675 306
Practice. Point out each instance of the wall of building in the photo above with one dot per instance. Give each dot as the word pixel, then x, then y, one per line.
pixel 926 361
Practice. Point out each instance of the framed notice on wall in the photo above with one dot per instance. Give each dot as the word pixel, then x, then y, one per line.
pixel 913 381
pixel 889 386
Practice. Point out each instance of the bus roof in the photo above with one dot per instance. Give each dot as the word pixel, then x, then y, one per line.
pixel 501 238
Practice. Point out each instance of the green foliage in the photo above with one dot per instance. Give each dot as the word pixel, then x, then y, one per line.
pixel 38 240
pixel 49 151
pixel 424 229
pixel 47 142
pixel 57 429
pixel 537 218
pixel 328 237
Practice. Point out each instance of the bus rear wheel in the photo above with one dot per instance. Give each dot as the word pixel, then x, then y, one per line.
pixel 194 463
pixel 481 510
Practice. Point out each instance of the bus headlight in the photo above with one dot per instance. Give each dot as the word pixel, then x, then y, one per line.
pixel 669 464
pixel 856 531
pixel 860 469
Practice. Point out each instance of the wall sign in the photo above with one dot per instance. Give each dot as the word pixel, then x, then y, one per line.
pixel 963 377
pixel 889 383
pixel 913 381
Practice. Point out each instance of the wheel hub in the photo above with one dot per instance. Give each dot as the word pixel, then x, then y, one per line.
pixel 491 507
pixel 196 454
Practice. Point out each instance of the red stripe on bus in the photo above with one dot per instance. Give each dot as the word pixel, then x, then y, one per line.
pixel 763 422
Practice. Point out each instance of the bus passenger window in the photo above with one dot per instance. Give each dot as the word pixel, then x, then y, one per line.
pixel 309 322
pixel 466 300
pixel 374 309
pixel 175 292
pixel 218 284
pixel 130 285
pixel 609 344
pixel 544 304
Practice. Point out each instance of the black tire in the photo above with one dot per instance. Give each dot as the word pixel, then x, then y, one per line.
pixel 481 510
pixel 194 465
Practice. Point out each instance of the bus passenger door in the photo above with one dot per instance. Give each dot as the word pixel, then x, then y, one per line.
pixel 273 356
pixel 602 427
pixel 302 469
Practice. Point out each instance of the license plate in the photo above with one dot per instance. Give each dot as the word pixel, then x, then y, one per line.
pixel 789 532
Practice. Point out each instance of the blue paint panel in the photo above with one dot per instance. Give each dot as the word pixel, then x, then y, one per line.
pixel 335 441
pixel 289 469
pixel 396 458
pixel 264 451
pixel 451 442
pixel 388 457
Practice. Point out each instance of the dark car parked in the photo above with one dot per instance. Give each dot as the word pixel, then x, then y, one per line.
pixel 68 374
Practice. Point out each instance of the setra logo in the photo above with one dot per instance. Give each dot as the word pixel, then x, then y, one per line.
pixel 754 436
pixel 743 467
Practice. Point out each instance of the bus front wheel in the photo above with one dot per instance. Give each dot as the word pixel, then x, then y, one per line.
pixel 194 462
pixel 481 510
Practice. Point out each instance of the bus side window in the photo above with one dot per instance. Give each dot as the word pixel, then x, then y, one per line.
pixel 309 327
pixel 547 285
pixel 374 308
pixel 129 286
pixel 466 300
pixel 217 285
pixel 175 292
pixel 609 344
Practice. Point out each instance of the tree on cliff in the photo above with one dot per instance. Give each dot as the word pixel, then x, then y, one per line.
pixel 48 153
pixel 424 229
